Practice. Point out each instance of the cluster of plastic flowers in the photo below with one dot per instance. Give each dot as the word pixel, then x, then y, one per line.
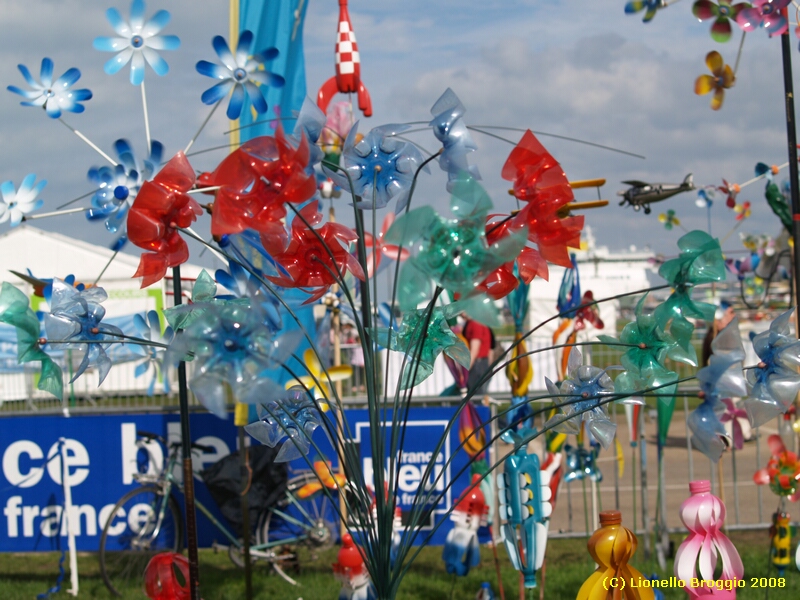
pixel 782 473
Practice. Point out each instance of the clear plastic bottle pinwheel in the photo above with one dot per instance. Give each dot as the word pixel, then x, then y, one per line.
pixel 381 167
pixel 453 253
pixel 582 397
pixel 650 7
pixel 722 377
pixel 118 186
pixel 243 73
pixel 56 96
pixel 292 417
pixel 148 328
pixel 230 347
pixel 581 463
pixel 18 203
pixel 138 42
pixel 722 12
pixel 15 311
pixel 773 384
pixel 700 262
pixel 450 129
pixel 644 360
pixel 75 322
pixel 764 13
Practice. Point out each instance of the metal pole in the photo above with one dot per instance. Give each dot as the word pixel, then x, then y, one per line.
pixel 186 454
pixel 791 145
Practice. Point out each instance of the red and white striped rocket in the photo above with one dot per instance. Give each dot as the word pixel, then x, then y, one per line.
pixel 348 68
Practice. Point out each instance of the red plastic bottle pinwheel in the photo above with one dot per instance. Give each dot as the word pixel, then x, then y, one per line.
pixel 541 183
pixel 160 208
pixel 314 258
pixel 378 249
pixel 502 281
pixel 256 181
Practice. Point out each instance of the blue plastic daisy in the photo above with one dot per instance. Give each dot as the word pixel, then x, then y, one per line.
pixel 381 166
pixel 138 42
pixel 54 96
pixel 243 73
pixel 450 129
pixel 119 185
pixel 18 203
pixel 149 328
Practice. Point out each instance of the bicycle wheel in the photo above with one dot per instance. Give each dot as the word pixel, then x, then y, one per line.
pixel 311 522
pixel 133 535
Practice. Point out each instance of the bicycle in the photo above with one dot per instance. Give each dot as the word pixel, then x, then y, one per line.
pixel 148 520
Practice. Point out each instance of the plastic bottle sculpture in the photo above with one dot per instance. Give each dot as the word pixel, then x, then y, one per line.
pixel 160 582
pixel 525 494
pixel 781 546
pixel 461 548
pixel 612 547
pixel 702 514
pixel 350 570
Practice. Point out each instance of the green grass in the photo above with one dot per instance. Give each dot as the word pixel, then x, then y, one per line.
pixel 23 576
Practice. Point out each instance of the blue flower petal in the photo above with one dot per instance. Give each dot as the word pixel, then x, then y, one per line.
pixel 46 73
pixel 214 70
pixel 244 47
pixel 158 64
pixel 68 78
pixel 27 75
pixel 137 68
pixel 164 42
pixel 224 53
pixel 217 92
pixel 256 97
pixel 137 14
pixel 236 103
pixel 111 44
pixel 115 64
pixel 119 24
pixel 156 23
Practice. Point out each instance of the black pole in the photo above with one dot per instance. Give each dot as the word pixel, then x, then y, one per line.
pixel 791 142
pixel 186 454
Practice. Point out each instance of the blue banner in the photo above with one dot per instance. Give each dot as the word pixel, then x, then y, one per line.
pixel 276 24
pixel 103 456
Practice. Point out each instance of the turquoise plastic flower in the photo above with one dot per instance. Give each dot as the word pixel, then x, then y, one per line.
pixel 453 253
pixel 138 42
pixel 700 262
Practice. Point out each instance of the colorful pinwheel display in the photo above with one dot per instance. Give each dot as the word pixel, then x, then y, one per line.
pixel 138 42
pixel 243 73
pixel 17 203
pixel 53 96
pixel 721 79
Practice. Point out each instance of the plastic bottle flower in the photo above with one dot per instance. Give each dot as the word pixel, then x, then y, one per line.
pixel 700 261
pixel 649 6
pixel 723 13
pixel 766 14
pixel 705 197
pixel 737 417
pixel 669 220
pixel 149 328
pixel 722 377
pixel 774 383
pixel 449 128
pixel 721 79
pixel 422 344
pixel 53 96
pixel 452 252
pixel 782 472
pixel 315 259
pixel 505 278
pixel 540 182
pixel 580 398
pixel 580 464
pixel 644 360
pixel 742 211
pixel 292 417
pixel 230 347
pixel 160 208
pixel 18 203
pixel 257 180
pixel 138 42
pixel 15 311
pixel 75 321
pixel 381 167
pixel 119 185
pixel 243 73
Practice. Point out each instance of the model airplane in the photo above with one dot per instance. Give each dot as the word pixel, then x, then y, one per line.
pixel 348 68
pixel 642 195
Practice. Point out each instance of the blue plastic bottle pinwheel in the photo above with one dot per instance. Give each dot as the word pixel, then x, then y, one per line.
pixel 15 203
pixel 56 96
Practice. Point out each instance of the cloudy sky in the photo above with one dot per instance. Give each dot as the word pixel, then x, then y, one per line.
pixel 577 68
